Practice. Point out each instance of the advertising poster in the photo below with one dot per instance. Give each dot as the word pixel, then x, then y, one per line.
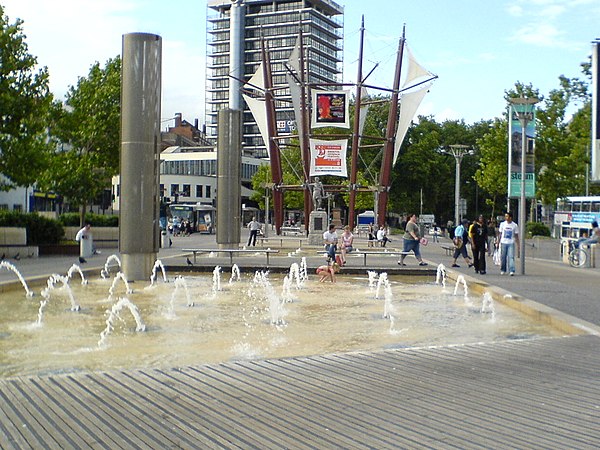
pixel 330 109
pixel 328 158
pixel 516 148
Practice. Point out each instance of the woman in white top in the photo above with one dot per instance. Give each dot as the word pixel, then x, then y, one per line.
pixel 347 241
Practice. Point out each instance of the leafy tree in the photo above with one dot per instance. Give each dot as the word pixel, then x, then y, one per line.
pixel 24 108
pixel 89 128
pixel 492 173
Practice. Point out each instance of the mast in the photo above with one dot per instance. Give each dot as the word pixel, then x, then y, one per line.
pixel 304 134
pixel 274 156
pixel 355 136
pixel 388 149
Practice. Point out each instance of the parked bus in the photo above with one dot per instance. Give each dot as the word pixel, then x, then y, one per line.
pixel 574 216
pixel 201 217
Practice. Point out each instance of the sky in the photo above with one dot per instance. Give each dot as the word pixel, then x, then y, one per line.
pixel 477 48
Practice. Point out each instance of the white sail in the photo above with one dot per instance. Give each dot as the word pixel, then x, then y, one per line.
pixel 258 79
pixel 415 70
pixel 258 108
pixel 295 89
pixel 408 107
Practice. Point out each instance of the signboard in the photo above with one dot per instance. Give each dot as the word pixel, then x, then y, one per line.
pixel 330 109
pixel 515 147
pixel 328 158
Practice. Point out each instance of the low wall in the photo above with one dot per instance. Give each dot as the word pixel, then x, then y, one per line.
pixel 13 236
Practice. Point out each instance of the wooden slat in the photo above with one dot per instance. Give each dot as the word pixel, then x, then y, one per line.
pixel 540 393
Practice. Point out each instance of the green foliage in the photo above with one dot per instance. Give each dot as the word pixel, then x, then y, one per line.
pixel 25 103
pixel 96 220
pixel 40 230
pixel 536 229
pixel 89 128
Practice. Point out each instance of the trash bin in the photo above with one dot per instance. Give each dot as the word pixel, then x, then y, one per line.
pixel 164 239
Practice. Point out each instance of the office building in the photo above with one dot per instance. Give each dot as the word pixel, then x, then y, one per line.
pixel 235 28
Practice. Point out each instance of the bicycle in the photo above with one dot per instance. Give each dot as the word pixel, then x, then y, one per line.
pixel 578 257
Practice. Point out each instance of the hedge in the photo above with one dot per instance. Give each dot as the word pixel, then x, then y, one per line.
pixel 40 229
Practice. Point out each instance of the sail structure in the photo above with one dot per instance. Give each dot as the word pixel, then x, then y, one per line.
pixel 411 100
pixel 257 105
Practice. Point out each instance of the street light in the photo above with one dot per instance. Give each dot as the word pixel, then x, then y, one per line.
pixel 525 115
pixel 458 151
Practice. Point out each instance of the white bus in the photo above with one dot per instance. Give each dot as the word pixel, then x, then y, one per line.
pixel 574 215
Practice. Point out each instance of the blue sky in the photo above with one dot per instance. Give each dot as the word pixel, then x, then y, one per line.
pixel 478 48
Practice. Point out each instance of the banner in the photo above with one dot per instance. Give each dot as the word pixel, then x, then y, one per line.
pixel 328 158
pixel 515 149
pixel 330 109
pixel 596 110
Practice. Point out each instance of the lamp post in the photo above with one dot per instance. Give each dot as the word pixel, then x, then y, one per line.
pixel 525 115
pixel 458 151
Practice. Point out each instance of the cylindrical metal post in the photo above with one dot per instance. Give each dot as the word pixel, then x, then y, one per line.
pixel 523 199
pixel 140 154
pixel 229 166
pixel 236 53
pixel 457 190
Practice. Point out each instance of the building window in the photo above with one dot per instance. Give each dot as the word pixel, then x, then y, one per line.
pixel 207 192
pixel 199 190
pixel 162 190
pixel 17 207
pixel 187 189
pixel 174 190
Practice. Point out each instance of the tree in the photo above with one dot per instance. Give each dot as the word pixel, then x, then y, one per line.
pixel 25 103
pixel 492 173
pixel 89 128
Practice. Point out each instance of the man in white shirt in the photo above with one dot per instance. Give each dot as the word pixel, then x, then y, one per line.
pixel 509 237
pixel 254 227
pixel 330 239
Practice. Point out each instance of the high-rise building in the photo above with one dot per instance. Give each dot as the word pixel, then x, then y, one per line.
pixel 236 26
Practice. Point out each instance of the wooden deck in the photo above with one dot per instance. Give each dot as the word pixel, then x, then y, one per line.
pixel 516 394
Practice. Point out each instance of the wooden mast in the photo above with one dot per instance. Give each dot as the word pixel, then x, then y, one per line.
pixel 388 149
pixel 274 156
pixel 355 136
pixel 304 126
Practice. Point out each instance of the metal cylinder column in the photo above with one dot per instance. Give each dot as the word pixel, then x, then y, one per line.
pixel 229 190
pixel 140 154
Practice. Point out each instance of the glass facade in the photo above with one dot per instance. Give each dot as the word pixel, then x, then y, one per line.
pixel 279 22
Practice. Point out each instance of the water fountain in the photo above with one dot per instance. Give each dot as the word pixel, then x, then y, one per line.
pixel 12 267
pixel 105 272
pixel 75 268
pixel 250 318
pixel 158 265
pixel 235 274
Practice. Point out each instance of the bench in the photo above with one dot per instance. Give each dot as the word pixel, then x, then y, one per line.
pixel 295 230
pixel 449 249
pixel 267 240
pixel 365 253
pixel 231 252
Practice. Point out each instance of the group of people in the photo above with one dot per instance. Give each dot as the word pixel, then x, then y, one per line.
pixel 484 239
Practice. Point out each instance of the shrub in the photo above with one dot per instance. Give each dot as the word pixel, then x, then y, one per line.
pixel 96 220
pixel 537 229
pixel 40 230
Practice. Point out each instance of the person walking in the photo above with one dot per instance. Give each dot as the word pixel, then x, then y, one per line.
pixel 479 240
pixel 491 230
pixel 412 241
pixel 509 236
pixel 254 227
pixel 461 237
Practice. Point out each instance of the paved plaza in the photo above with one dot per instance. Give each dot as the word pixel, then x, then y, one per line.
pixel 532 393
